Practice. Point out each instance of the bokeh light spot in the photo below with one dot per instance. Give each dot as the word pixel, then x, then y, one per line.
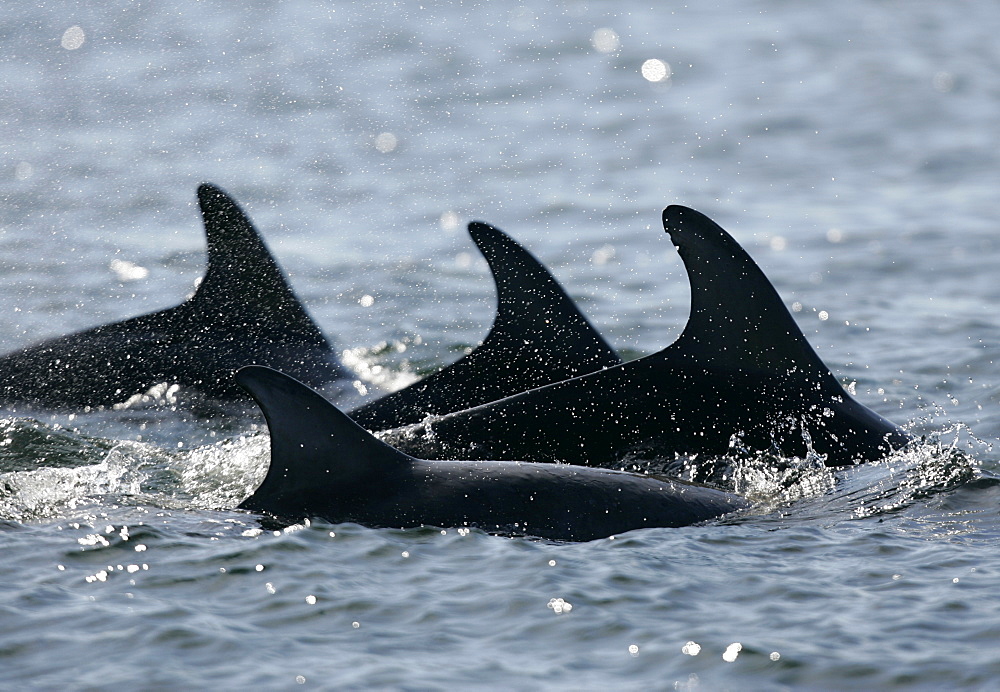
pixel 655 70
pixel 386 142
pixel 449 221
pixel 605 40
pixel 72 38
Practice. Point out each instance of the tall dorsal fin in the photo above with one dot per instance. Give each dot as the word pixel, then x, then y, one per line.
pixel 738 322
pixel 315 448
pixel 539 336
pixel 243 281
pixel 533 307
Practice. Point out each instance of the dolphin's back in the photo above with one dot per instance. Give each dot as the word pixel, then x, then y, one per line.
pixel 538 336
pixel 243 312
pixel 741 373
pixel 325 465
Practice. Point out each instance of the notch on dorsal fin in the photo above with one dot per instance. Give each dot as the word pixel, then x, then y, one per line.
pixel 539 336
pixel 243 284
pixel 315 448
pixel 738 322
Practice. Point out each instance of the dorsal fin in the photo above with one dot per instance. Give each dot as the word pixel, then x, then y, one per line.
pixel 738 322
pixel 314 446
pixel 539 336
pixel 243 281
pixel 533 308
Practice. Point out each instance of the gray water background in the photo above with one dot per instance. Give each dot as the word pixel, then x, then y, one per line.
pixel 852 148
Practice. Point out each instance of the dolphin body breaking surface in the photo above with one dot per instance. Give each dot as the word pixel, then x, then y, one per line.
pixel 740 375
pixel 243 312
pixel 323 465
pixel 539 336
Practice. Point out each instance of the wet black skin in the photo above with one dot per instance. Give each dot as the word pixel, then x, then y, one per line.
pixel 741 371
pixel 323 465
pixel 243 312
pixel 539 336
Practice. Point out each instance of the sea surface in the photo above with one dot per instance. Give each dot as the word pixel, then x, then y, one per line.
pixel 853 148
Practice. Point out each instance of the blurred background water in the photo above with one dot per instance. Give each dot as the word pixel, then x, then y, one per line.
pixel 851 147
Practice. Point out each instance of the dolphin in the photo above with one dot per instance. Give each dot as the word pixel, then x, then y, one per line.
pixel 538 336
pixel 323 465
pixel 741 375
pixel 243 312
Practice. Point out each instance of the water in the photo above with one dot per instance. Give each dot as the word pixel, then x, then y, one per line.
pixel 852 148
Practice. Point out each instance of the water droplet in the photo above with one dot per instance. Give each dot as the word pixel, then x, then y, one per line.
pixel 559 606
pixel 731 652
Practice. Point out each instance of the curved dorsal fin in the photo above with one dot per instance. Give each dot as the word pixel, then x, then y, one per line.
pixel 243 283
pixel 316 449
pixel 533 310
pixel 738 322
pixel 539 336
